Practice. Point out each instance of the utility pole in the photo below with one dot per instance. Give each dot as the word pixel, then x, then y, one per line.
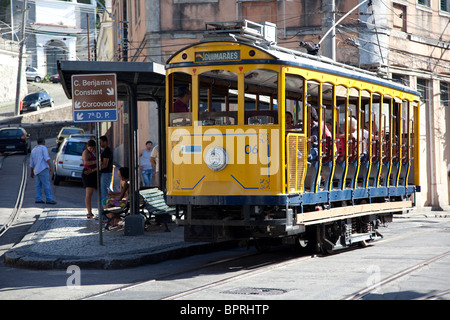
pixel 328 23
pixel 19 69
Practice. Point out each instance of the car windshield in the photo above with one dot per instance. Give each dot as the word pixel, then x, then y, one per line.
pixel 75 148
pixel 31 97
pixel 11 133
pixel 71 131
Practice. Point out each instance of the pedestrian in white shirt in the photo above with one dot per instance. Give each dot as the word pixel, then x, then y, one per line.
pixel 41 168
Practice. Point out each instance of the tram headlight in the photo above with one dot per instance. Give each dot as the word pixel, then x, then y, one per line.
pixel 216 158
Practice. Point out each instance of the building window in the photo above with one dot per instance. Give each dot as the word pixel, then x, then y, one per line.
pixel 399 78
pixel 425 3
pixel 422 88
pixel 400 17
pixel 445 5
pixel 264 10
pixel 445 93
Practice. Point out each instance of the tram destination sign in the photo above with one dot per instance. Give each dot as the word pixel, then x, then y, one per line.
pixel 94 97
pixel 211 56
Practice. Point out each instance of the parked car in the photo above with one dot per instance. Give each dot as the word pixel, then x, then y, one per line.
pixel 34 101
pixel 14 139
pixel 33 74
pixel 55 78
pixel 68 163
pixel 84 136
pixel 65 132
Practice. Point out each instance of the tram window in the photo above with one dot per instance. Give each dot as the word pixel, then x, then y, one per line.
pixel 376 119
pixel 180 105
pixel 261 104
pixel 405 131
pixel 218 99
pixel 294 87
pixel 414 106
pixel 365 110
pixel 353 102
pixel 341 103
pixel 327 103
pixel 386 128
pixel 295 107
pixel 386 116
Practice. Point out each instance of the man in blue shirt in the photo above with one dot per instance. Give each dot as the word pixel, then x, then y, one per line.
pixel 41 168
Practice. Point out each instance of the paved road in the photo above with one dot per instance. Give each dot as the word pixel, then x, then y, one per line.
pixel 284 276
pixel 54 89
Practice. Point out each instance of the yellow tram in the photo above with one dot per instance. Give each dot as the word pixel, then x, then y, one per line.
pixel 273 143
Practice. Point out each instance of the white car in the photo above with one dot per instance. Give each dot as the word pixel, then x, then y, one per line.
pixel 68 163
pixel 33 74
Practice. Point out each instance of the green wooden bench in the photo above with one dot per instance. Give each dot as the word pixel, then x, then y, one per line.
pixel 155 204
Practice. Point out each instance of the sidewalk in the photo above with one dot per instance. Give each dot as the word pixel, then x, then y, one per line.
pixel 65 237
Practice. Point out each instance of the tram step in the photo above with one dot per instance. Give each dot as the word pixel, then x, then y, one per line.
pixel 352 239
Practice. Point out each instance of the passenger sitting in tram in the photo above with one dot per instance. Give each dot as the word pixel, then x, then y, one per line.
pixel 314 153
pixel 289 119
pixel 180 105
pixel 364 137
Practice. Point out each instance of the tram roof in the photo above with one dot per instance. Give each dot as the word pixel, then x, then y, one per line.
pixel 324 64
pixel 304 60
pixel 149 77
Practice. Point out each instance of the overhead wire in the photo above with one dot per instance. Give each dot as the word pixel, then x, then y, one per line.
pixel 410 55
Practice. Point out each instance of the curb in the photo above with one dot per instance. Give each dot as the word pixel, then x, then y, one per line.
pixel 134 259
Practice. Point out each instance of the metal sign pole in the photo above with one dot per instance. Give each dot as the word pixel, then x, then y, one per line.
pixel 95 105
pixel 99 200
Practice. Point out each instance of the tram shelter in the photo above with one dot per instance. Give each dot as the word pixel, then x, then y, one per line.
pixel 136 81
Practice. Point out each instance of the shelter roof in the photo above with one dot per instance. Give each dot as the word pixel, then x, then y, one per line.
pixel 149 77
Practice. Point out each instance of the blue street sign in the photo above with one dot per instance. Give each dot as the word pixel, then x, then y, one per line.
pixel 94 115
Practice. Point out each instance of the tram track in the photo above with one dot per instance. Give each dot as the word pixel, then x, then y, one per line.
pixel 239 268
pixel 20 195
pixel 243 272
pixel 247 265
pixel 360 295
pixel 249 273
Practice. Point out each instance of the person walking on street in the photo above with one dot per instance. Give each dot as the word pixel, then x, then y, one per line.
pixel 41 168
pixel 89 176
pixel 106 167
pixel 145 165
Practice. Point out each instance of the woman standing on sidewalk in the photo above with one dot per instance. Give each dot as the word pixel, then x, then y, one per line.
pixel 89 176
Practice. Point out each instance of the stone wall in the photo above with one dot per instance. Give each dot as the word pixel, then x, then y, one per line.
pixel 46 123
pixel 9 53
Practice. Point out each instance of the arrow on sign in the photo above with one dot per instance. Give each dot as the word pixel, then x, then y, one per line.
pixel 110 91
pixel 80 116
pixel 77 105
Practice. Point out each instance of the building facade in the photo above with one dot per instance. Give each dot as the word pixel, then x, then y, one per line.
pixel 406 40
pixel 54 30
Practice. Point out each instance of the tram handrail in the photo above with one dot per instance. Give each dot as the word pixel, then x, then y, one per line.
pixel 296 153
